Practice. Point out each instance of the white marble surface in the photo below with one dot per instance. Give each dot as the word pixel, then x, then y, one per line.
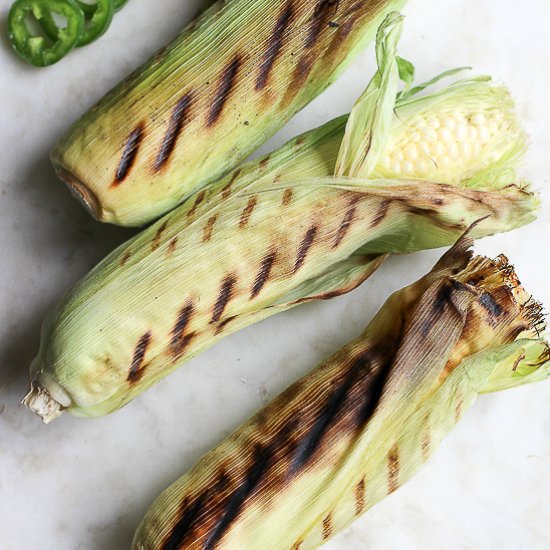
pixel 84 484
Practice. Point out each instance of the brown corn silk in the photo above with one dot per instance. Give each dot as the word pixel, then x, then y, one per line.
pixel 231 79
pixel 352 431
pixel 274 233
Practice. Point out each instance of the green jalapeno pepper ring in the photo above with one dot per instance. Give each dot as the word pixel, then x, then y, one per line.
pixel 36 49
pixel 97 16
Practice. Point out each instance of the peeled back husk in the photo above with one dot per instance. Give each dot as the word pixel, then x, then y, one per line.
pixel 200 106
pixel 359 426
pixel 275 233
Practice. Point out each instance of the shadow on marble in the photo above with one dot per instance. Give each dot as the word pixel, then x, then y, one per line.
pixel 60 242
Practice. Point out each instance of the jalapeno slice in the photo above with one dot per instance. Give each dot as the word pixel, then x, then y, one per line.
pixel 44 50
pixel 97 18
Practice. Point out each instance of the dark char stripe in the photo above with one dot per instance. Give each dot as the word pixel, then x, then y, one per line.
pixel 393 469
pixel 208 228
pixel 360 497
pixel 322 14
pixel 221 326
pixel 274 46
pixel 358 392
pixel 287 197
pixel 193 514
pixel 305 245
pixel 226 191
pixel 136 370
pixel 247 212
pixel 179 117
pixel 129 154
pixel 226 83
pixel 158 235
pixel 172 245
pixel 349 217
pixel 260 465
pixel 327 526
pixel 299 76
pixel 125 257
pixel 180 338
pixel 380 213
pixel 224 296
pixel 198 200
pixel 490 304
pixel 263 273
pixel 335 403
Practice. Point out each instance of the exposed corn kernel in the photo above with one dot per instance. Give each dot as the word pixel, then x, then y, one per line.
pixel 445 135
pixel 411 152
pixel 465 149
pixel 484 134
pixel 453 151
pixel 408 167
pixel 429 134
pixel 438 149
pixel 479 119
pixel 461 132
pixel 449 123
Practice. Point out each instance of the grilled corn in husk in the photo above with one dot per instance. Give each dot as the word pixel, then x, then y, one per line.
pixel 200 106
pixel 352 431
pixel 277 232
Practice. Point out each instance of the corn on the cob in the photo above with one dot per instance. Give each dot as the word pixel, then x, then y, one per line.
pixel 206 101
pixel 352 431
pixel 273 234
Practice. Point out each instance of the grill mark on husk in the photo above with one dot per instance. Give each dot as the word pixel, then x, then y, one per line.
pixel 226 191
pixel 393 469
pixel 129 154
pixel 247 212
pixel 158 235
pixel 260 465
pixel 226 83
pixel 360 497
pixel 179 118
pixel 224 297
pixel 136 370
pixel 180 338
pixel 287 197
pixel 192 514
pixel 322 15
pixel 380 213
pixel 299 76
pixel 305 246
pixel 221 326
pixel 125 257
pixel 263 274
pixel 327 526
pixel 274 46
pixel 208 228
pixel 198 200
pixel 172 246
pixel 348 220
pixel 357 391
pixel 490 304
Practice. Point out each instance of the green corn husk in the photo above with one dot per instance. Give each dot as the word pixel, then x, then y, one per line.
pixel 277 232
pixel 199 107
pixel 359 426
